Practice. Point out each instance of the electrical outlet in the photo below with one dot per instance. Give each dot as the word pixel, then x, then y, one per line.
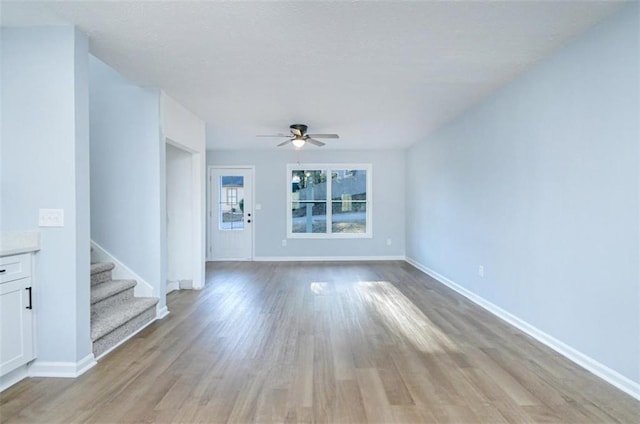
pixel 388 242
pixel 284 242
pixel 51 217
pixel 481 271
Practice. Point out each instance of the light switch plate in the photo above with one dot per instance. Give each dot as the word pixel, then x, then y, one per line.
pixel 51 218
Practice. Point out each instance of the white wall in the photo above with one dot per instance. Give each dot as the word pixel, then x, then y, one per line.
pixel 45 164
pixel 179 215
pixel 181 125
pixel 271 193
pixel 127 174
pixel 540 184
pixel 186 131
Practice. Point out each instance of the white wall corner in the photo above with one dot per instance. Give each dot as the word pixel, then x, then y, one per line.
pixel 62 369
pixel 618 380
pixel 121 271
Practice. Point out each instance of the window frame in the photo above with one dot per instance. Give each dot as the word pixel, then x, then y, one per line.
pixel 329 168
pixel 233 190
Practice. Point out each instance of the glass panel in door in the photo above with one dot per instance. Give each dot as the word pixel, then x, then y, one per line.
pixel 231 202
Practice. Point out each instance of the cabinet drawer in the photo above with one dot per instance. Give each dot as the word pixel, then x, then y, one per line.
pixel 15 267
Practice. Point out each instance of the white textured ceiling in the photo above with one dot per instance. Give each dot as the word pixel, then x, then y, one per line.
pixel 381 74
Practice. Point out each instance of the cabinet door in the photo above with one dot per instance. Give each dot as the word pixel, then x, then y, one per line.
pixel 16 325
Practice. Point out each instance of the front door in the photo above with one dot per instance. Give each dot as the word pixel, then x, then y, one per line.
pixel 231 217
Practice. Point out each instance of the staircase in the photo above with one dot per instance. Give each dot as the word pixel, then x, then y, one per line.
pixel 115 313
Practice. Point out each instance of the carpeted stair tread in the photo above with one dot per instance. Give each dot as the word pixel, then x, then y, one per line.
pixel 110 288
pixel 99 267
pixel 104 323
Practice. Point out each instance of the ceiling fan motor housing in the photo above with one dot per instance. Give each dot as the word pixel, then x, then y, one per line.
pixel 300 127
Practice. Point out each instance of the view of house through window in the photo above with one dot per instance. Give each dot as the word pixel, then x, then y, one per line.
pixel 329 201
pixel 232 195
pixel 231 202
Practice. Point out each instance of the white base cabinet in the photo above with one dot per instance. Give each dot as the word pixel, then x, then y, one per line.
pixel 16 312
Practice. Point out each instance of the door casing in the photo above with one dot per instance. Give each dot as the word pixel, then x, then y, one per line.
pixel 212 196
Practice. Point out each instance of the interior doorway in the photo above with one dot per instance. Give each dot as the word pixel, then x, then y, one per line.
pixel 182 217
pixel 231 213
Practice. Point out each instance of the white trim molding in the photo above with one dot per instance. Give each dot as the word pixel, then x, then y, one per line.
pixel 173 286
pixel 122 272
pixel 14 377
pixel 329 199
pixel 160 313
pixel 231 259
pixel 62 369
pixel 326 258
pixel 618 380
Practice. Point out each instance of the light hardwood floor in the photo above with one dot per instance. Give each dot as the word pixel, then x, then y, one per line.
pixel 324 342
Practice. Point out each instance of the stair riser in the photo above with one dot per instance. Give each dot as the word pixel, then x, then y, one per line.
pixel 112 301
pixel 111 339
pixel 100 277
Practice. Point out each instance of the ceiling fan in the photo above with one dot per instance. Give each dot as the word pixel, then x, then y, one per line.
pixel 299 136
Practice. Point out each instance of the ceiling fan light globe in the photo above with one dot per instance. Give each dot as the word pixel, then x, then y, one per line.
pixel 298 142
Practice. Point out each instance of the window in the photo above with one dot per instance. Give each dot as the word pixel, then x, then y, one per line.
pixel 232 195
pixel 231 203
pixel 329 201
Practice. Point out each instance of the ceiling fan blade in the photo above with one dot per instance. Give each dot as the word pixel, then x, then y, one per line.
pixel 324 135
pixel 296 131
pixel 283 143
pixel 273 135
pixel 315 142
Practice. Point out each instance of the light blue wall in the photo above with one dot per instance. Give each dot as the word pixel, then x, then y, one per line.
pixel 270 188
pixel 127 173
pixel 45 164
pixel 83 196
pixel 540 184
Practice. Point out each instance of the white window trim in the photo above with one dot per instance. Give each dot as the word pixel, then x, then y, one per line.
pixel 331 167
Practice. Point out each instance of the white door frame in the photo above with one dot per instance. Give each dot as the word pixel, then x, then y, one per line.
pixel 197 210
pixel 210 194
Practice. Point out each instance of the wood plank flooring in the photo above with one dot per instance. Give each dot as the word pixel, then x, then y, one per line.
pixel 327 343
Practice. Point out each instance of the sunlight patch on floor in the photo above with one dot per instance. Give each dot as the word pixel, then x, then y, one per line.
pixel 402 317
pixel 318 288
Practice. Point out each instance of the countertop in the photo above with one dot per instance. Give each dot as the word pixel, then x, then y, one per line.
pixel 19 242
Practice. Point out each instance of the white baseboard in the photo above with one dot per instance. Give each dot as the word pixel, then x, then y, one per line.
pixel 618 380
pixel 229 260
pixel 173 286
pixel 179 285
pixel 161 312
pixel 186 284
pixel 326 258
pixel 13 377
pixel 122 272
pixel 62 369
